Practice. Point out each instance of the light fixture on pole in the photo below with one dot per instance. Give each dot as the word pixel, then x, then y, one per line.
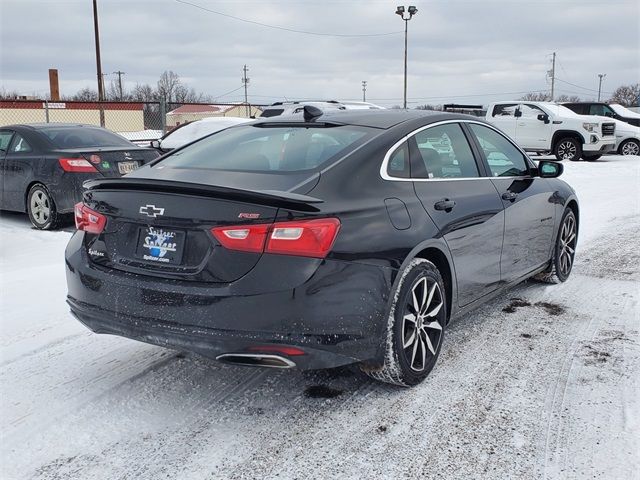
pixel 601 76
pixel 406 16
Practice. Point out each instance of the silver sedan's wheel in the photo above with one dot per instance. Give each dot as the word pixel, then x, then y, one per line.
pixel 630 147
pixel 421 329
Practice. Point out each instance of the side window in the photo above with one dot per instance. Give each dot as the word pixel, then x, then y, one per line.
pixel 5 138
pixel 596 110
pixel 444 153
pixel 19 145
pixel 398 165
pixel 608 112
pixel 504 159
pixel 530 111
pixel 504 110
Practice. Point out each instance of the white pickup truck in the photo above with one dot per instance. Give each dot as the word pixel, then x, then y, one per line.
pixel 546 127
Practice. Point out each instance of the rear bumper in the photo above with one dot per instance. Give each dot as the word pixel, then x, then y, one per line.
pixel 335 313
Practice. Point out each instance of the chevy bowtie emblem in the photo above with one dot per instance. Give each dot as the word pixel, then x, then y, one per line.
pixel 151 211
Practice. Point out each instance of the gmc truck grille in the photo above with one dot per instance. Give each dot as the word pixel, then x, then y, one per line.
pixel 608 129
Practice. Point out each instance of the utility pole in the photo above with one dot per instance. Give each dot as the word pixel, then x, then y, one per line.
pixel 364 90
pixel 552 73
pixel 245 82
pixel 119 73
pixel 601 76
pixel 98 63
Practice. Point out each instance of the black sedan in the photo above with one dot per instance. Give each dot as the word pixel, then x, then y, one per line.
pixel 42 166
pixel 337 238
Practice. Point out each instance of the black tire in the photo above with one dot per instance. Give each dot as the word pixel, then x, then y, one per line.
pixel 42 208
pixel 629 147
pixel 407 362
pixel 591 158
pixel 561 263
pixel 567 148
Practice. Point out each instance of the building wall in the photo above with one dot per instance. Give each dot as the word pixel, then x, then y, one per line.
pixel 127 117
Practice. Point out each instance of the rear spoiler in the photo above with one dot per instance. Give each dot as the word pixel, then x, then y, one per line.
pixel 274 198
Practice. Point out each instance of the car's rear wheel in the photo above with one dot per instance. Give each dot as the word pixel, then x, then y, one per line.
pixel 41 208
pixel 416 326
pixel 564 251
pixel 568 148
pixel 629 147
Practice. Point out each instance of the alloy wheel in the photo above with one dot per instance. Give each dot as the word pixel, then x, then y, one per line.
pixel 631 148
pixel 567 150
pixel 567 245
pixel 421 327
pixel 40 207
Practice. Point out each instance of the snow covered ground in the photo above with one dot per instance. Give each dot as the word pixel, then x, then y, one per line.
pixel 540 383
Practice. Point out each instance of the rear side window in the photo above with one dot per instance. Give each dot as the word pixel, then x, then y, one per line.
pixel 19 145
pixel 504 159
pixel 273 112
pixel 444 153
pixel 504 110
pixel 269 149
pixel 82 137
pixel 5 138
pixel 398 165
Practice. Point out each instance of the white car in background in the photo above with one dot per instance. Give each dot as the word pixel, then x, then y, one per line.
pixel 192 131
pixel 627 138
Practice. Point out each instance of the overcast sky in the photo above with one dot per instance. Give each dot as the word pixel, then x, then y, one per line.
pixel 462 51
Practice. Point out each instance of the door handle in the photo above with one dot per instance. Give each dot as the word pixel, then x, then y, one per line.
pixel 510 196
pixel 444 204
pixel 522 124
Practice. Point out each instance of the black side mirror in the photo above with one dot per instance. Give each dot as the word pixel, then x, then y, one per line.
pixel 548 169
pixel 517 113
pixel 543 117
pixel 155 144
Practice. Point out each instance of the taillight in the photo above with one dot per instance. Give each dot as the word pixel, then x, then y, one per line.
pixel 76 165
pixel 88 220
pixel 248 238
pixel 305 238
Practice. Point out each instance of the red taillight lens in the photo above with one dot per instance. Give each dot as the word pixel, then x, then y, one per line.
pixel 76 165
pixel 305 238
pixel 281 349
pixel 89 220
pixel 247 238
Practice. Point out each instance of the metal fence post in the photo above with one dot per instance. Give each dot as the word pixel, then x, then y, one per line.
pixel 163 115
pixel 46 110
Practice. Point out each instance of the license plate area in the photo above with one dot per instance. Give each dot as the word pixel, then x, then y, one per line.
pixel 160 245
pixel 127 167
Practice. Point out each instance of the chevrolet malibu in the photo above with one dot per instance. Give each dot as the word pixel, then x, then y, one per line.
pixel 319 240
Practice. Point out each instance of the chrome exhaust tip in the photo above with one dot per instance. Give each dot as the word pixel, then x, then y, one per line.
pixel 256 360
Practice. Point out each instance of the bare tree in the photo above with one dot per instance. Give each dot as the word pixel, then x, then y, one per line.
pixel 626 95
pixel 536 97
pixel 143 92
pixel 8 95
pixel 167 85
pixel 567 98
pixel 429 107
pixel 87 94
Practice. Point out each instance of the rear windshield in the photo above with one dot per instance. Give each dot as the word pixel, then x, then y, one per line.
pixel 269 149
pixel 81 137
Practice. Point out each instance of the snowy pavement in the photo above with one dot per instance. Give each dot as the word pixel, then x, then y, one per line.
pixel 539 383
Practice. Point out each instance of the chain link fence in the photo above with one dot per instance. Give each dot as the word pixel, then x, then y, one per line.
pixel 136 121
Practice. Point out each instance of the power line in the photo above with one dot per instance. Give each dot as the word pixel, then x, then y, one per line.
pixel 578 86
pixel 321 34
pixel 228 93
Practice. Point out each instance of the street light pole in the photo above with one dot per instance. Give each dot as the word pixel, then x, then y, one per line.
pixel 364 90
pixel 411 11
pixel 601 76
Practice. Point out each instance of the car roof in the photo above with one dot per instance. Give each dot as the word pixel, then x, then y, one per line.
pixel 44 126
pixel 382 119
